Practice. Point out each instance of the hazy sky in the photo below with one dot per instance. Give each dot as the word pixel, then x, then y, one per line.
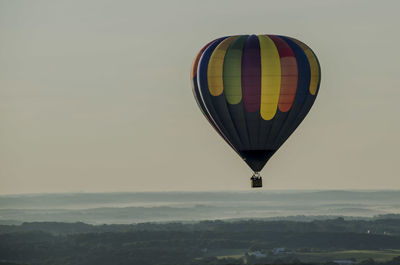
pixel 96 96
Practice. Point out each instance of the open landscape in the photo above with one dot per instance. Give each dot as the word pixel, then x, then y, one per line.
pixel 165 228
pixel 188 132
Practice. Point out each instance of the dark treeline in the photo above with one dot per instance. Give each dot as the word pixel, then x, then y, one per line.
pixel 386 226
pixel 179 243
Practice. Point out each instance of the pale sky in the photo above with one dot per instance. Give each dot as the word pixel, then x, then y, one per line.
pixel 96 96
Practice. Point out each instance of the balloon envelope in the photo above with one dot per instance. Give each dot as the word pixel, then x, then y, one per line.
pixel 255 91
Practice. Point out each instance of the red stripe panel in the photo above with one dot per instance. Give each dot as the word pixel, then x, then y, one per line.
pixel 289 74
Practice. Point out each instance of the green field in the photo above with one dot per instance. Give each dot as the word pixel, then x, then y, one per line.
pixel 358 255
pixel 227 253
pixel 319 256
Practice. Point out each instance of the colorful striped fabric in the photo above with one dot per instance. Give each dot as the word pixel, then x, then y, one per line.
pixel 255 91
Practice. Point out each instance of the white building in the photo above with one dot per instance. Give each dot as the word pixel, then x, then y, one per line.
pixel 258 254
pixel 277 251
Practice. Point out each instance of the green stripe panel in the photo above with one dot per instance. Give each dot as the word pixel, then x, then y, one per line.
pixel 232 76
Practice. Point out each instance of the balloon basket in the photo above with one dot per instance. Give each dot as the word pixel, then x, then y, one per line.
pixel 256 180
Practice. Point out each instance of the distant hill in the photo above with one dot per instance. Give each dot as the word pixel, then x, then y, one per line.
pixel 127 208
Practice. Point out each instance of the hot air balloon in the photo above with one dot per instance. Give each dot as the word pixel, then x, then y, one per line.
pixel 255 90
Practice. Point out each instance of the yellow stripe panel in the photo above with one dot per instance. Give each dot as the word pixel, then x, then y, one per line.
pixel 216 67
pixel 270 77
pixel 313 66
